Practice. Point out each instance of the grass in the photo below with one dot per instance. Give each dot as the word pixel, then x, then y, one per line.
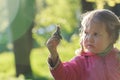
pixel 7 68
pixel 38 60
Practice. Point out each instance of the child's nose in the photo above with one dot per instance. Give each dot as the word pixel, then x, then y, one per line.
pixel 90 39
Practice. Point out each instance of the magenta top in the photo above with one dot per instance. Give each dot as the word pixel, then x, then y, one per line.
pixel 89 66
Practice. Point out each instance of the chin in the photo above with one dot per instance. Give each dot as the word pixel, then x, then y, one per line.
pixel 92 51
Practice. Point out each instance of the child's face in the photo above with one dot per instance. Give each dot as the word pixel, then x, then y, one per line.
pixel 95 38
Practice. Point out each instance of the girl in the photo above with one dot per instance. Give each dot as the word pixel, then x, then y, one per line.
pixel 98 59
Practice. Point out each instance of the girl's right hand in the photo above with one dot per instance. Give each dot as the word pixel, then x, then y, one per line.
pixel 54 40
pixel 52 44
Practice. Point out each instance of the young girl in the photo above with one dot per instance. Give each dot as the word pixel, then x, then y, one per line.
pixel 98 59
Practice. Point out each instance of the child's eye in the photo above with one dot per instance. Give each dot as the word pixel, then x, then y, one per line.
pixel 96 34
pixel 85 32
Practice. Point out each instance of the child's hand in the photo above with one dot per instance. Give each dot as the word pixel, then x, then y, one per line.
pixel 52 44
pixel 54 40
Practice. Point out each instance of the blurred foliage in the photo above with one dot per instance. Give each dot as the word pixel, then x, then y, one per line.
pixel 38 60
pixel 53 12
pixel 101 3
pixel 4 41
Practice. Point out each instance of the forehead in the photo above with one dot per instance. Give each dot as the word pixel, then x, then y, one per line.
pixel 96 27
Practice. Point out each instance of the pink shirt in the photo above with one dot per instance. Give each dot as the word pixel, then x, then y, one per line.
pixel 89 66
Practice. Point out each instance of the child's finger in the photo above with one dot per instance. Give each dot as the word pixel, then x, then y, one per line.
pixel 53 42
pixel 57 32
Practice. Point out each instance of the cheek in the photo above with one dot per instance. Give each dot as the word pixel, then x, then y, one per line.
pixel 102 44
pixel 99 42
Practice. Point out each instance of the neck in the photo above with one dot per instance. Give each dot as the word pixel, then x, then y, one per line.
pixel 106 51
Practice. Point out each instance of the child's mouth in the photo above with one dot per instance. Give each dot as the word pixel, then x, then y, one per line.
pixel 90 46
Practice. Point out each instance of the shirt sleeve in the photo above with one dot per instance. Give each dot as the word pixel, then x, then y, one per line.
pixel 52 66
pixel 65 71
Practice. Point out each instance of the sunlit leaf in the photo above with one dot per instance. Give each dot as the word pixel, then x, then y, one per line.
pixel 111 3
pixel 101 3
pixel 117 1
pixel 91 0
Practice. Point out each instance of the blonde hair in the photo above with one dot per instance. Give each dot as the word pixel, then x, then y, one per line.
pixel 106 17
